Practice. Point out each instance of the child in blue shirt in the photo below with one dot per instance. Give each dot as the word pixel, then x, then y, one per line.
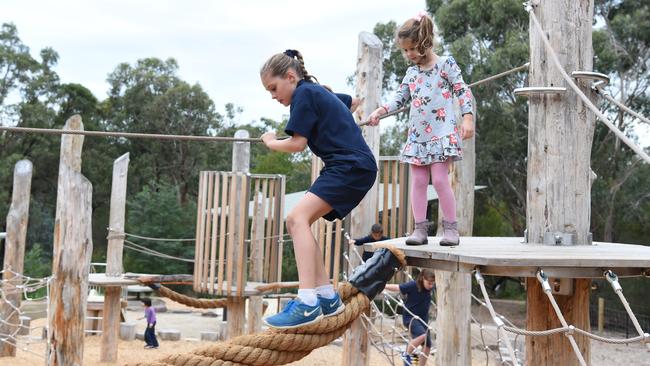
pixel 418 301
pixel 321 120
pixel 376 234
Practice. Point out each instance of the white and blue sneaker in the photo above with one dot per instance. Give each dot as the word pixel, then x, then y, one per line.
pixel 295 314
pixel 408 361
pixel 331 307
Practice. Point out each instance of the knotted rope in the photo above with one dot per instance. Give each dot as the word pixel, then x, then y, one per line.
pixel 278 346
pixel 190 301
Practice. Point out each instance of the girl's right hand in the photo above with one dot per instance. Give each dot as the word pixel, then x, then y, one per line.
pixel 269 136
pixel 373 118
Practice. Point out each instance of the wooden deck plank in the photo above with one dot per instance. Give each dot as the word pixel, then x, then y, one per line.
pixel 130 279
pixel 509 253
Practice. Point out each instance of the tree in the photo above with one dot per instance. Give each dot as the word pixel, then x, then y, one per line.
pixel 622 48
pixel 28 90
pixel 489 37
pixel 156 212
pixel 150 98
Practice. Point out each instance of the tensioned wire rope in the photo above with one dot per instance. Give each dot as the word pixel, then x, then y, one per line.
pixel 155 136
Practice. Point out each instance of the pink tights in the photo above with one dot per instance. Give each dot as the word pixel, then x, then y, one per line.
pixel 419 185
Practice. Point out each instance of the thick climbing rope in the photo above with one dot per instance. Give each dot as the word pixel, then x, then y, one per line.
pixel 275 346
pixel 190 301
pixel 155 282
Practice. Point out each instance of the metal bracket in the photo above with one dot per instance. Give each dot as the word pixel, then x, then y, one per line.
pixel 527 91
pixel 562 286
pixel 559 238
pixel 600 80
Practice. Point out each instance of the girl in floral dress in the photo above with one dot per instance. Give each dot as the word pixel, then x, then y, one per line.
pixel 434 138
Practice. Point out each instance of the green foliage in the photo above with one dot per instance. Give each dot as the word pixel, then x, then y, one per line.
pixel 488 220
pixel 289 268
pixel 620 200
pixel 156 212
pixel 297 169
pixel 486 38
pixel 395 64
pixel 37 263
pixel 150 98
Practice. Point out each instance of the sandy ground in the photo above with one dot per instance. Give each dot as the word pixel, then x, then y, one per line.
pixel 192 323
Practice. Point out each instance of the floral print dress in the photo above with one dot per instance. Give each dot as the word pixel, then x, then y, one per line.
pixel 433 133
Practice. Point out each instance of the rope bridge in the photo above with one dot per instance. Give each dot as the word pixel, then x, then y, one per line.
pixel 279 347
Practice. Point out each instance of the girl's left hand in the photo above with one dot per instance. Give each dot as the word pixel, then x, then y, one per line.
pixel 467 129
pixel 269 136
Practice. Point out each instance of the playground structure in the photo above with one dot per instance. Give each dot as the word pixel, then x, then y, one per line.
pixel 557 256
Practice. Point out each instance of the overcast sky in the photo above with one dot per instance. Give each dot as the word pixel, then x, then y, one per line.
pixel 219 44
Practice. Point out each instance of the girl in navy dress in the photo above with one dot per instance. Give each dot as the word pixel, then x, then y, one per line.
pixel 321 120
pixel 434 140
pixel 415 317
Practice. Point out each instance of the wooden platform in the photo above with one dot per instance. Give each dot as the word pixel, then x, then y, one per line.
pixel 128 279
pixel 509 256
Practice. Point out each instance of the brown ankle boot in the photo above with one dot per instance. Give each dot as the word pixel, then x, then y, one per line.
pixel 419 235
pixel 449 234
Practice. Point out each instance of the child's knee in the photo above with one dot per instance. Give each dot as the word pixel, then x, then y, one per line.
pixel 440 181
pixel 294 222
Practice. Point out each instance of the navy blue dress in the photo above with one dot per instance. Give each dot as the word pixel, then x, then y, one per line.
pixel 324 119
pixel 418 302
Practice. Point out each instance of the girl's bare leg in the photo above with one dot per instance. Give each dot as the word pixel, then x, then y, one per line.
pixel 311 270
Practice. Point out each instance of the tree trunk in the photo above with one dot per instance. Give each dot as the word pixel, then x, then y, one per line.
pixel 114 268
pixel 14 259
pixel 369 75
pixel 560 134
pixel 237 305
pixel 71 257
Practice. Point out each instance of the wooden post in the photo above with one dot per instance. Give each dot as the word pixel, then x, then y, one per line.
pixel 14 259
pixel 112 295
pixel 369 75
pixel 71 254
pixel 453 289
pixel 453 342
pixel 601 315
pixel 257 260
pixel 237 305
pixel 560 134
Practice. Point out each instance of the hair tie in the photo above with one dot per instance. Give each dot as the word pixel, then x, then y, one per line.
pixel 418 17
pixel 291 53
